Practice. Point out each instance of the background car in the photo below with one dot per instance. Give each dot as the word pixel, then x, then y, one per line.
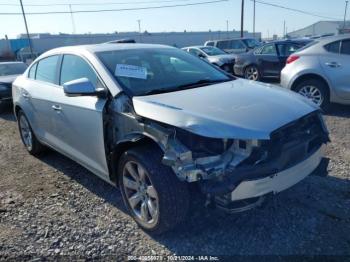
pixel 8 73
pixel 237 45
pixel 214 56
pixel 321 71
pixel 267 60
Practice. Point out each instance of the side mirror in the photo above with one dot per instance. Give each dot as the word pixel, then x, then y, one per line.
pixel 80 87
pixel 201 56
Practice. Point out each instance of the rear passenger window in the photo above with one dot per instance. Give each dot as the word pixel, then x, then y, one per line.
pixel 269 49
pixel 46 69
pixel 74 67
pixel 345 47
pixel 333 47
pixel 32 71
pixel 223 44
pixel 210 44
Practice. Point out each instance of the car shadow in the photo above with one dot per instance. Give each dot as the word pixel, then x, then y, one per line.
pixel 339 111
pixel 6 112
pixel 309 218
pixel 84 177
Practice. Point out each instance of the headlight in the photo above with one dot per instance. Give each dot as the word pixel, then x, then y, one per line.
pixel 202 146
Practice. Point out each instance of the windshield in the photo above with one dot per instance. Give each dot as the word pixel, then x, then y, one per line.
pixel 211 51
pixel 159 70
pixel 251 43
pixel 12 69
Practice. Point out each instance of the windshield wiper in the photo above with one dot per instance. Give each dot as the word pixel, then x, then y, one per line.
pixel 198 83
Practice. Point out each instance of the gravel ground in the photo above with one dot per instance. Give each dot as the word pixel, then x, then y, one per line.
pixel 51 206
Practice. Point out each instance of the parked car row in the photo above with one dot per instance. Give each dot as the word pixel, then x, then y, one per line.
pixel 317 69
pixel 158 122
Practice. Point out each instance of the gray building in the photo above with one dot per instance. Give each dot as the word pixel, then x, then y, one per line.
pixel 44 42
pixel 320 28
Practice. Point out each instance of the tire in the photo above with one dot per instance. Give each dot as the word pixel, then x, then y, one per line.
pixel 31 143
pixel 317 87
pixel 171 199
pixel 252 73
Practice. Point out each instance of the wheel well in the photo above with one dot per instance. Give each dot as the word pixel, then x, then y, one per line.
pixel 121 148
pixel 17 108
pixel 309 77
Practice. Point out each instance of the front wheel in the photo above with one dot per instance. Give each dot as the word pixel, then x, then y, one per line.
pixel 252 73
pixel 152 193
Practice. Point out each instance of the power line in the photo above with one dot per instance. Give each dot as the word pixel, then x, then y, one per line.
pixel 295 10
pixel 115 10
pixel 99 3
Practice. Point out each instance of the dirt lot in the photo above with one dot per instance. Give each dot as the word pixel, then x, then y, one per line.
pixel 51 206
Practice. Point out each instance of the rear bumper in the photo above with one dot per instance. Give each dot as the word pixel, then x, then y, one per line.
pixel 278 182
pixel 5 95
pixel 239 70
pixel 228 67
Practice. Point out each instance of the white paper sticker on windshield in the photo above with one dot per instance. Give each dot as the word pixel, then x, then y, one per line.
pixel 131 71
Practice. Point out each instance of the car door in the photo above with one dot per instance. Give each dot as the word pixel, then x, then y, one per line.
pixel 336 65
pixel 37 96
pixel 197 53
pixel 268 61
pixel 78 120
pixel 284 51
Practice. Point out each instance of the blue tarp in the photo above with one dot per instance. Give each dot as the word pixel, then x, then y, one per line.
pixel 17 44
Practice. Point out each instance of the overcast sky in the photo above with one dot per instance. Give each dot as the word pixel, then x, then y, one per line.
pixel 269 20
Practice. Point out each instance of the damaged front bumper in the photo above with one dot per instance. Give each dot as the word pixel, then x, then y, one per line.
pixel 277 182
pixel 294 152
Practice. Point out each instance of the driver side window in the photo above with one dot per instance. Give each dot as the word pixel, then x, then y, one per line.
pixel 74 67
pixel 269 49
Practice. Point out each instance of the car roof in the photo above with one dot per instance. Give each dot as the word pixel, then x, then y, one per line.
pixel 197 46
pixel 291 41
pixel 329 39
pixel 11 62
pixel 104 47
pixel 231 39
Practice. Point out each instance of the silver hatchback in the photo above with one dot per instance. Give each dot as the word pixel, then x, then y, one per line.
pixel 321 71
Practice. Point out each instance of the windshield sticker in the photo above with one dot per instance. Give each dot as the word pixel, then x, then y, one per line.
pixel 131 71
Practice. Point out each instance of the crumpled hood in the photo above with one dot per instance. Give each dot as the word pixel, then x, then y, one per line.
pixel 239 109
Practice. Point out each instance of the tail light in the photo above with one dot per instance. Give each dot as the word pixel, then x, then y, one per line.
pixel 292 58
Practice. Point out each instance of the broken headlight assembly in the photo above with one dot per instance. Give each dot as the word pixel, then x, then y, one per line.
pixel 194 157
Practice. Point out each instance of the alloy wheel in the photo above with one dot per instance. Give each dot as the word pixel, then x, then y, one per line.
pixel 252 73
pixel 140 193
pixel 312 93
pixel 26 132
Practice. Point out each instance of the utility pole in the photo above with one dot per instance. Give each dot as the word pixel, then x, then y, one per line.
pixel 227 28
pixel 72 17
pixel 242 18
pixel 284 28
pixel 346 8
pixel 139 22
pixel 254 19
pixel 25 23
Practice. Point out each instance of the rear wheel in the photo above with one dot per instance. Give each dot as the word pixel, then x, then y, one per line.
pixel 152 193
pixel 252 73
pixel 29 140
pixel 316 91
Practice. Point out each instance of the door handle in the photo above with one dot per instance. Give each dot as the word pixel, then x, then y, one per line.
pixel 333 64
pixel 25 94
pixel 56 108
